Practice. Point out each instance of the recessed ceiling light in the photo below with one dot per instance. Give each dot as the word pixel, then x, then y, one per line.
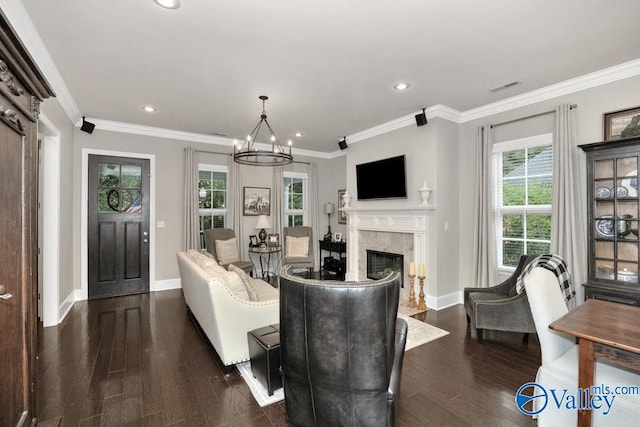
pixel 298 134
pixel 149 108
pixel 401 86
pixel 168 4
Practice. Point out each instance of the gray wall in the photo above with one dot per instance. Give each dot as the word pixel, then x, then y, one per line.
pixel 442 153
pixel 592 103
pixel 431 155
pixel 169 158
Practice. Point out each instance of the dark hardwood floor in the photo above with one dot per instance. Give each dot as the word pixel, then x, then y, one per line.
pixel 139 361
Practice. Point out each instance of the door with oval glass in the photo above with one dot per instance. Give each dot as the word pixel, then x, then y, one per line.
pixel 118 226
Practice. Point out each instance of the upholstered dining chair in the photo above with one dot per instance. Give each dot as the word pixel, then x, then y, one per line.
pixel 500 307
pixel 298 247
pixel 223 238
pixel 341 350
pixel 559 370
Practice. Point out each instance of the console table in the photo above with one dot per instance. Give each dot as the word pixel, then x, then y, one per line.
pixel 333 247
pixel 264 256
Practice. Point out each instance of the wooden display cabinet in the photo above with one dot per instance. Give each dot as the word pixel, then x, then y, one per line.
pixel 613 220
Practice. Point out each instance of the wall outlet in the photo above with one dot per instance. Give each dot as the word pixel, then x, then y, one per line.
pixel 160 224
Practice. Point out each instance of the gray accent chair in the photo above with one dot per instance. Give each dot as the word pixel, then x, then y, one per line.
pixel 298 262
pixel 341 350
pixel 210 237
pixel 500 307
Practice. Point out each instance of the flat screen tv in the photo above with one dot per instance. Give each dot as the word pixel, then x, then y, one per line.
pixel 382 179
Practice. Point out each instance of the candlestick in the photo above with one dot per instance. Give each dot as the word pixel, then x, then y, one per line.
pixel 421 270
pixel 412 294
pixel 422 305
pixel 412 269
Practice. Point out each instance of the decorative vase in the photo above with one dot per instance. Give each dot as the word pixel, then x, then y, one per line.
pixel 425 194
pixel 346 200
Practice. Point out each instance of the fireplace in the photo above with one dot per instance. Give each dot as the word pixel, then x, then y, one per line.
pixel 380 264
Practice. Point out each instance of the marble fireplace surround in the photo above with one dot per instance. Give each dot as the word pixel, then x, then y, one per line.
pixel 378 227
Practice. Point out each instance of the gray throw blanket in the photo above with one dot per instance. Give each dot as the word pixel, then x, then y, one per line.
pixel 557 266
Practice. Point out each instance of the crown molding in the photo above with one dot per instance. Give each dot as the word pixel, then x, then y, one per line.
pixel 134 129
pixel 435 111
pixel 30 38
pixel 586 81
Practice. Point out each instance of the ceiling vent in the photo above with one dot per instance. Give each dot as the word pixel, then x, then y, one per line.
pixel 503 87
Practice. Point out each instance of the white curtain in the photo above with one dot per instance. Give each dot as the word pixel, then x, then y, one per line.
pixel 569 210
pixel 277 205
pixel 235 205
pixel 314 207
pixel 484 245
pixel 191 216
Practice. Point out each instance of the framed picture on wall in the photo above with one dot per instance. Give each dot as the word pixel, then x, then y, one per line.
pixel 622 124
pixel 256 201
pixel 342 217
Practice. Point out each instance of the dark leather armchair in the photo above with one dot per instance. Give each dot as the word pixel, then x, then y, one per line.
pixel 342 348
pixel 500 307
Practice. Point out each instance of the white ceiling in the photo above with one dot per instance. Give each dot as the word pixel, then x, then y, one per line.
pixel 328 67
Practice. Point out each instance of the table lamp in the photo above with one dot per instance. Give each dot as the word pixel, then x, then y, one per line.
pixel 329 209
pixel 263 222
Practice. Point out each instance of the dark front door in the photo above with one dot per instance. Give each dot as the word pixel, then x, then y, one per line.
pixel 118 222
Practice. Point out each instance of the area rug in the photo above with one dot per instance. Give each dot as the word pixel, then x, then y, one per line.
pixel 419 333
pixel 403 309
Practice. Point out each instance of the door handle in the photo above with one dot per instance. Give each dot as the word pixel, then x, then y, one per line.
pixel 3 293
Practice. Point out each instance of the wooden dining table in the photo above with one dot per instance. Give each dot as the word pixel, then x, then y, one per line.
pixel 605 330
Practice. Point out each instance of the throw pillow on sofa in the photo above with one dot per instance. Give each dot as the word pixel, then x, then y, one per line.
pixel 199 258
pixel 297 246
pixel 245 281
pixel 233 281
pixel 227 251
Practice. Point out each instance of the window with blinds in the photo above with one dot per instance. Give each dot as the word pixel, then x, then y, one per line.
pixel 295 199
pixel 212 195
pixel 523 193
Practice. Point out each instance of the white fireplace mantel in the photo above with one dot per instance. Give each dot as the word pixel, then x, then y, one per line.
pixel 412 220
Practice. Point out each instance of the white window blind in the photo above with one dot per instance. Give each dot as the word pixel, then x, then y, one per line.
pixel 295 199
pixel 523 194
pixel 212 195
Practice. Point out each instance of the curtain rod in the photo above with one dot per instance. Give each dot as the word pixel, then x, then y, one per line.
pixel 229 154
pixel 572 106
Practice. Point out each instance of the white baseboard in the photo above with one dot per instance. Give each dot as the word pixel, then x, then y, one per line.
pixel 66 306
pixel 165 285
pixel 445 301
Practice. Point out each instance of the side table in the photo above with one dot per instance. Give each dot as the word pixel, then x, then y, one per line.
pixel 331 264
pixel 264 254
pixel 264 351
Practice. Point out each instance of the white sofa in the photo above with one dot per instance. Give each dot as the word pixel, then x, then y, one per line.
pixel 226 305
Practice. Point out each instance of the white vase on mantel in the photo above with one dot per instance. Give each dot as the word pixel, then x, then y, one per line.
pixel 425 194
pixel 346 200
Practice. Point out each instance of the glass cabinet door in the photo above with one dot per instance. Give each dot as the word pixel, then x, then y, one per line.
pixel 615 218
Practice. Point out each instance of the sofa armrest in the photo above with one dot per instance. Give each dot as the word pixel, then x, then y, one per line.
pixel 396 371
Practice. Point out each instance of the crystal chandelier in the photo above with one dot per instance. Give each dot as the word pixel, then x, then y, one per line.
pixel 249 154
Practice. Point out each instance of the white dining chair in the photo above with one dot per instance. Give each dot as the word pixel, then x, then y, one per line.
pixel 559 370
